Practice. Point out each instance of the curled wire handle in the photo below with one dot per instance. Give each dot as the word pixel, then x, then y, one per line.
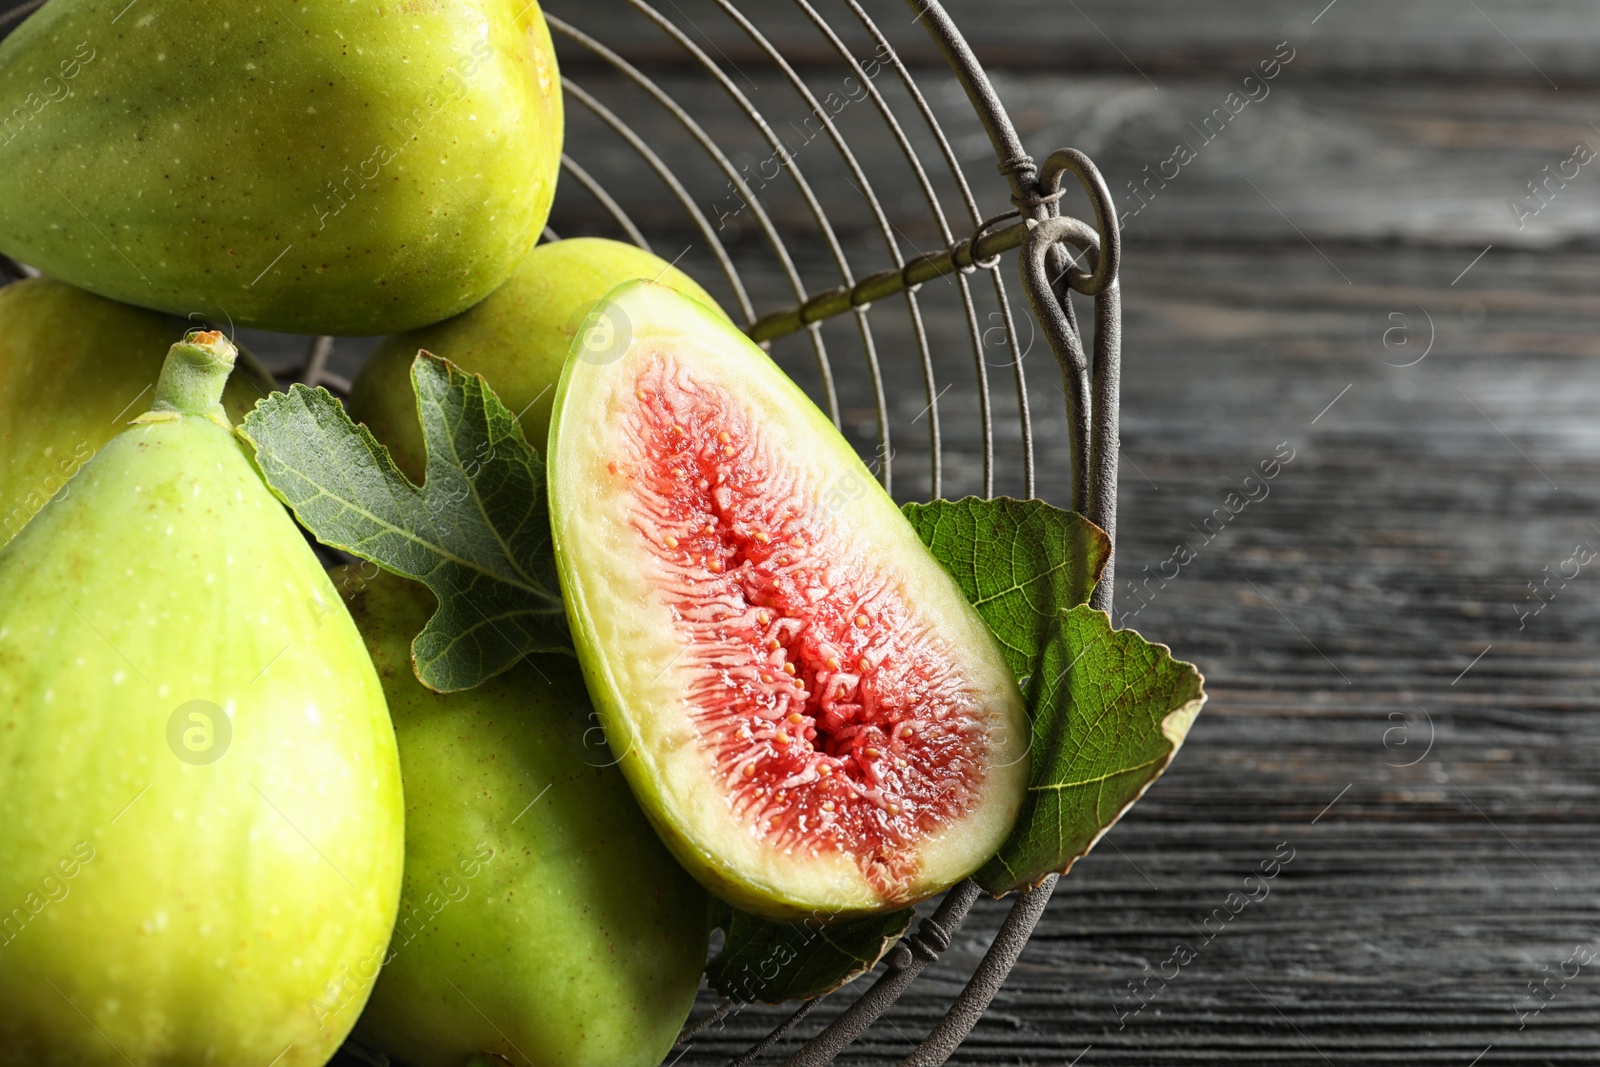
pixel 1091 387
pixel 1044 237
pixel 1052 308
pixel 1071 161
pixel 1105 445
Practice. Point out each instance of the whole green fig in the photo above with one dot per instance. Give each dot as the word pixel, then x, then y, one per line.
pixel 74 369
pixel 517 339
pixel 541 920
pixel 200 813
pixel 332 168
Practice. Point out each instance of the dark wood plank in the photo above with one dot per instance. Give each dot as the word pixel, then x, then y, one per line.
pixel 1312 160
pixel 1500 40
pixel 1396 544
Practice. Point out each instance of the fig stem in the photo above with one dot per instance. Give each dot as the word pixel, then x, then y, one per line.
pixel 194 375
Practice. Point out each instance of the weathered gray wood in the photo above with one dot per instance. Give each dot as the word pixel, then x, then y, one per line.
pixel 1310 160
pixel 1398 541
pixel 1550 41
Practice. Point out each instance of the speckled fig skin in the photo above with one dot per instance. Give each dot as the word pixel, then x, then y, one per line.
pixel 541 920
pixel 75 369
pixel 201 828
pixel 343 168
pixel 517 339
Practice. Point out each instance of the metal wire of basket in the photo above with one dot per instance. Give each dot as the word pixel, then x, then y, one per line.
pixel 1057 254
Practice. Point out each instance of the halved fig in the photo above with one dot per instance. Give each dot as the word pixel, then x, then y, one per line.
pixel 807 709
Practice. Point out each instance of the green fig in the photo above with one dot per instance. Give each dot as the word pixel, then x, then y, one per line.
pixel 200 812
pixel 806 706
pixel 352 168
pixel 517 339
pixel 74 369
pixel 541 920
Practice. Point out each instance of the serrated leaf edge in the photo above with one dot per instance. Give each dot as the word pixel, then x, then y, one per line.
pixel 1174 727
pixel 297 393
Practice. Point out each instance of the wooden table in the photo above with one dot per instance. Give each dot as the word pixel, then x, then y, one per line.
pixel 1386 705
pixel 1381 702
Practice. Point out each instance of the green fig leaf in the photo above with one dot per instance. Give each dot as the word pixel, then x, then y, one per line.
pixel 766 962
pixel 1021 563
pixel 1110 710
pixel 477 532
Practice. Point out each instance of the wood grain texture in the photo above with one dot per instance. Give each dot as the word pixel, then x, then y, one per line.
pixel 1333 619
pixel 1509 40
pixel 1312 158
pixel 1340 619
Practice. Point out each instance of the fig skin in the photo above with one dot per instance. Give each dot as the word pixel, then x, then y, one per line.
pixel 231 883
pixel 75 369
pixel 565 923
pixel 630 638
pixel 345 168
pixel 517 339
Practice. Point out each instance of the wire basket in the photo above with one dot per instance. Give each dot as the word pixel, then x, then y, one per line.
pixel 825 188
pixel 782 205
